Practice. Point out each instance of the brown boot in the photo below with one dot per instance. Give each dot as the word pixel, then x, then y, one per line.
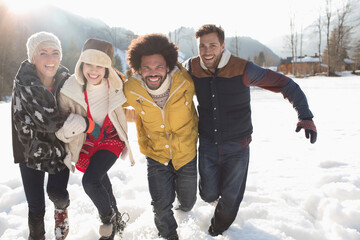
pixel 36 226
pixel 61 224
pixel 31 238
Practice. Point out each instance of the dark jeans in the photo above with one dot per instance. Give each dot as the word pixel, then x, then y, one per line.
pixel 223 170
pixel 33 182
pixel 97 184
pixel 164 181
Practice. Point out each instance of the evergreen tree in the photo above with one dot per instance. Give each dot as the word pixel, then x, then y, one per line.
pixel 12 49
pixel 71 54
pixel 117 63
pixel 260 59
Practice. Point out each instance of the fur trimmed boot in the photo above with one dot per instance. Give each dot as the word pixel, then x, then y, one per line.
pixel 61 223
pixel 108 228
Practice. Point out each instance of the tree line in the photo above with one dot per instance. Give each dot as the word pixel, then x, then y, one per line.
pixel 334 24
pixel 15 31
pixel 338 25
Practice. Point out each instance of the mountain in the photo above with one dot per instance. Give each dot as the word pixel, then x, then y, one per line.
pixel 72 28
pixel 246 47
pixel 249 48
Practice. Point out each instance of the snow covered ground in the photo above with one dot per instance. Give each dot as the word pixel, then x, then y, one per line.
pixel 295 190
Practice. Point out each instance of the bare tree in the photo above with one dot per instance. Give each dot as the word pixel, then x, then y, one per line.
pixel 328 11
pixel 339 42
pixel 293 42
pixel 318 30
pixel 356 55
pixel 344 29
pixel 237 45
pixel 301 48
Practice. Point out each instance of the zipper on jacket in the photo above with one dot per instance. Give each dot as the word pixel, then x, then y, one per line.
pixel 162 110
pixel 163 113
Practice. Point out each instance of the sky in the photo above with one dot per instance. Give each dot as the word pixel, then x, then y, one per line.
pixel 262 20
pixel 295 190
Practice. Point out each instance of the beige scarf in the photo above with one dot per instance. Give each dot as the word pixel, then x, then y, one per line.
pixel 161 94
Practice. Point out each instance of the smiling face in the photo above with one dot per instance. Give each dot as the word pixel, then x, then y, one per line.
pixel 93 73
pixel 210 50
pixel 153 70
pixel 46 61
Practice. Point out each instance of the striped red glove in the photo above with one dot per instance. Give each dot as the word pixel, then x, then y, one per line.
pixel 309 127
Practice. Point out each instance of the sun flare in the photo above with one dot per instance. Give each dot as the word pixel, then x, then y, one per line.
pixel 23 6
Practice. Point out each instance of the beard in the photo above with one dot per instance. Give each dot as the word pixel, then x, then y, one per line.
pixel 212 64
pixel 157 85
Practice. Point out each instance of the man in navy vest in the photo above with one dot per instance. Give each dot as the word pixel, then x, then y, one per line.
pixel 222 84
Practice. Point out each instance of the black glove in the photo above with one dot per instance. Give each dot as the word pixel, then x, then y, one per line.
pixel 309 127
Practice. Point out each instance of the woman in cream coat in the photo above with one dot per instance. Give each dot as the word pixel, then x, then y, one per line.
pixel 99 137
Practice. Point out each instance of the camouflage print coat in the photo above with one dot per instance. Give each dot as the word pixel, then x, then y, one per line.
pixel 35 119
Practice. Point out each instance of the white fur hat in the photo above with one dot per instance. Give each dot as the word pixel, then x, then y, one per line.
pixel 42 38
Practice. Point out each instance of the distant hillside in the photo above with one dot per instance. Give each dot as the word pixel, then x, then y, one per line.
pixel 73 30
pixel 247 47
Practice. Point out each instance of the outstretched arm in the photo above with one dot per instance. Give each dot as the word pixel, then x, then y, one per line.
pixel 276 82
pixel 130 113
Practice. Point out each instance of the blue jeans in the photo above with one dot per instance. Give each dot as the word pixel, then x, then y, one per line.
pixel 223 170
pixel 96 182
pixel 33 182
pixel 164 181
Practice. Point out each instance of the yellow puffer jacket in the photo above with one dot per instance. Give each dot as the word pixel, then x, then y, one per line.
pixel 170 133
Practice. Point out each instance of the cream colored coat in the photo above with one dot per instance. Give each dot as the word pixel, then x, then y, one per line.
pixel 72 99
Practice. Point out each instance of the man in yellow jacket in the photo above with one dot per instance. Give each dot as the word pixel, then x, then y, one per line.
pixel 161 92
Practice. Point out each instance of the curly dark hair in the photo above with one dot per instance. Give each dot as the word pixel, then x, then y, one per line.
pixel 210 28
pixel 150 44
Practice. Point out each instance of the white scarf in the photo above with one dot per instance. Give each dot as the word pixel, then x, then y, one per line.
pixel 98 96
pixel 163 88
pixel 161 94
pixel 225 57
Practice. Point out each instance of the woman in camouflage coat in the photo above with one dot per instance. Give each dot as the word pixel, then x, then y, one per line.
pixel 35 119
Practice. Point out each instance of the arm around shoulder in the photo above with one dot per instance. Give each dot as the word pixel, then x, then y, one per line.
pixel 130 113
